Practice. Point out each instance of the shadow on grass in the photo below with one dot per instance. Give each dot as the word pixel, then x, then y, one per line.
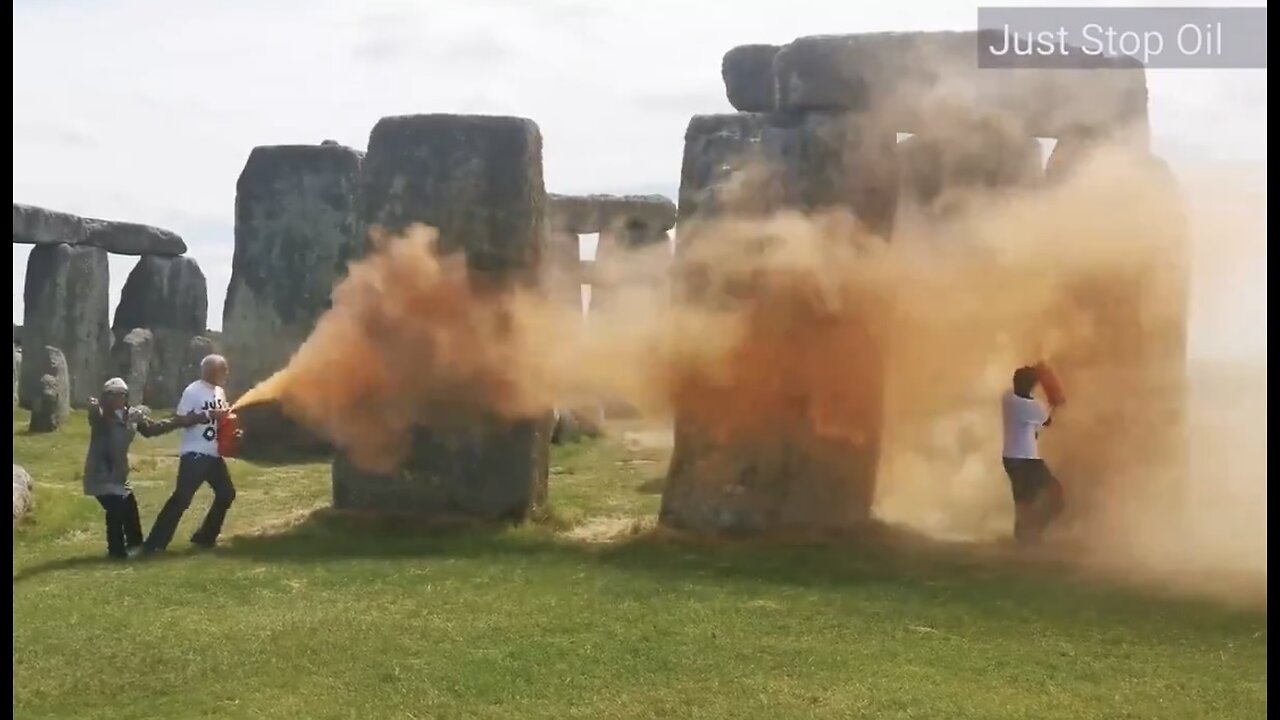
pixel 876 555
pixel 102 561
pixel 885 560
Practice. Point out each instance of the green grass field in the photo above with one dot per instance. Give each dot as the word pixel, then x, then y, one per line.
pixel 589 613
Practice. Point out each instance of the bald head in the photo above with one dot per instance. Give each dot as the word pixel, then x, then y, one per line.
pixel 213 369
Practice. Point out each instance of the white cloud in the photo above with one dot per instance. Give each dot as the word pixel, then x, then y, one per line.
pixel 147 109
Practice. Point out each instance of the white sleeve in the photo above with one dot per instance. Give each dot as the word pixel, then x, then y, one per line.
pixel 1033 413
pixel 186 403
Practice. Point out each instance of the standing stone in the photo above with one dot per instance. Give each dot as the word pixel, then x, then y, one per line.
pixel 197 349
pixel 163 292
pixel 783 472
pixel 296 230
pixel 66 305
pixel 751 165
pixel 478 180
pixel 169 297
pixel 17 370
pixel 22 502
pixel 563 268
pixel 748 77
pixel 52 405
pixel 297 227
pixel 132 359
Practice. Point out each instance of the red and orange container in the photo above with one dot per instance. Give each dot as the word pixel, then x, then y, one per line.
pixel 227 424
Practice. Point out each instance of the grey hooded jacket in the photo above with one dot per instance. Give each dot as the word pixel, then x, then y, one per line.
pixel 106 464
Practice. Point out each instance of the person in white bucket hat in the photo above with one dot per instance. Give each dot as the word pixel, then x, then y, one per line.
pixel 112 426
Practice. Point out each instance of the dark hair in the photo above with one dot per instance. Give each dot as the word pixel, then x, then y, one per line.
pixel 1025 378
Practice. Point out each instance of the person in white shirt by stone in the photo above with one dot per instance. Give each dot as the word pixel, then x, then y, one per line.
pixel 200 461
pixel 1037 494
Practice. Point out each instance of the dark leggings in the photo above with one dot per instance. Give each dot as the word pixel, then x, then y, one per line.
pixel 124 528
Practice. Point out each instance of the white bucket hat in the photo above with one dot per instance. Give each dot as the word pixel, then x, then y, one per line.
pixel 115 386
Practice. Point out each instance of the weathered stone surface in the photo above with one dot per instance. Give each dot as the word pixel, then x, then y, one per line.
pixel 17 370
pixel 168 370
pixel 718 150
pixel 297 227
pixel 910 79
pixel 271 435
pixel 942 166
pixel 40 226
pixel 585 214
pixel 748 77
pixel 497 472
pixel 52 404
pixel 753 165
pixel 22 487
pixel 131 357
pixel 163 293
pixel 66 305
pixel 562 268
pixel 785 473
pixel 125 238
pixel 478 180
pixel 197 349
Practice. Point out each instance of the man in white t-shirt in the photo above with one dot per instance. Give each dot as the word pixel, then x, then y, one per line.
pixel 1037 495
pixel 200 460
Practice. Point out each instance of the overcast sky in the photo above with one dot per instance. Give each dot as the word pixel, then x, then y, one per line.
pixel 146 110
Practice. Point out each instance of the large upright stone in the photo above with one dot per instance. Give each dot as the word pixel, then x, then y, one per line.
pixel 478 180
pixel 296 230
pixel 809 461
pixel 562 268
pixel 66 305
pixel 197 349
pixel 297 227
pixel 743 165
pixel 131 356
pixel 169 297
pixel 52 404
pixel 163 293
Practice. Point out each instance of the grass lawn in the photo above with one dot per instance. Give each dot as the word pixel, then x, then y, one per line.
pixel 303 614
